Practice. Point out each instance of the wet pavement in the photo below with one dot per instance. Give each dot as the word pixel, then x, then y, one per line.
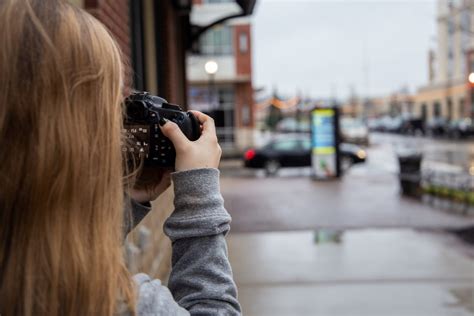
pixel 393 257
pixel 370 273
pixel 368 196
pixel 293 203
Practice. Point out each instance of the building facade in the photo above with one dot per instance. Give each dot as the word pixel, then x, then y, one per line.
pixel 227 95
pixel 152 37
pixel 448 92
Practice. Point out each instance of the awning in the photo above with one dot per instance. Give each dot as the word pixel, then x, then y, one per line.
pixel 246 9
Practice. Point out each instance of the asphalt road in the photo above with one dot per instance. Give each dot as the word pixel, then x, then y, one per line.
pixel 368 196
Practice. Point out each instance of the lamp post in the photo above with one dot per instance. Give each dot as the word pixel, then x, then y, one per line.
pixel 211 67
pixel 471 78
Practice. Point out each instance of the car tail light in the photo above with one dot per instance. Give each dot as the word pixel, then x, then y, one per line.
pixel 249 154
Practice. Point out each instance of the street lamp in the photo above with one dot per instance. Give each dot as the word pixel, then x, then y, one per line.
pixel 211 67
pixel 471 78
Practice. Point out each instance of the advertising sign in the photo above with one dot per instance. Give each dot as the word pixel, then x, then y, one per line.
pixel 324 143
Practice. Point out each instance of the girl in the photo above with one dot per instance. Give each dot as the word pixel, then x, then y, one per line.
pixel 62 188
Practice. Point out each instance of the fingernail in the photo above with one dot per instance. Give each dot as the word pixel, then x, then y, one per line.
pixel 163 121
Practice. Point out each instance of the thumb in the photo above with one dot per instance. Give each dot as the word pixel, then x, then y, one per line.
pixel 174 133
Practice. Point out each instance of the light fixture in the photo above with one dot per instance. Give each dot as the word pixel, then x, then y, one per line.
pixel 471 77
pixel 211 67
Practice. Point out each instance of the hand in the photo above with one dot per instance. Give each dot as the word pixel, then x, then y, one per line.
pixel 202 153
pixel 150 184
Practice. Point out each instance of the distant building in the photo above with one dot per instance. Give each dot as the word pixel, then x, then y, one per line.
pixel 395 104
pixel 447 93
pixel 228 94
pixel 269 111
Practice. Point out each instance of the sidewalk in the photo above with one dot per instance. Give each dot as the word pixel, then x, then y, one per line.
pixel 292 201
pixel 370 273
pixel 393 259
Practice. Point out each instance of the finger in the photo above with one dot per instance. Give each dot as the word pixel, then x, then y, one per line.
pixel 174 133
pixel 207 122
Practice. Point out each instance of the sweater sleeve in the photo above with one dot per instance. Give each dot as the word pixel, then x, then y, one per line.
pixel 201 280
pixel 201 276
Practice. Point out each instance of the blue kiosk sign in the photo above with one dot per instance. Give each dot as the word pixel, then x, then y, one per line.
pixel 325 143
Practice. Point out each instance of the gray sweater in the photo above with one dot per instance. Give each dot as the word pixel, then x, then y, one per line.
pixel 201 281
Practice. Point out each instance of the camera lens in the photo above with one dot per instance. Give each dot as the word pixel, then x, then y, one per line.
pixel 137 110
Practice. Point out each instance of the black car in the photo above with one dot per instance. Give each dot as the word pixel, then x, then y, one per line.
pixel 413 126
pixel 295 152
pixel 461 128
pixel 437 126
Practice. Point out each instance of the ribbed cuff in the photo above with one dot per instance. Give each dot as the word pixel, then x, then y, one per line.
pixel 199 206
pixel 196 182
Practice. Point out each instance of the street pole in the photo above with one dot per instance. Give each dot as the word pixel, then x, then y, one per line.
pixel 211 68
pixel 210 89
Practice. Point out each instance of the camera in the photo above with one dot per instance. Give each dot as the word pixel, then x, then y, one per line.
pixel 144 139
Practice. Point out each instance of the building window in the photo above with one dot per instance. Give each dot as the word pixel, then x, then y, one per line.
pixel 424 112
pixel 224 116
pixel 437 109
pixel 245 115
pixel 450 60
pixel 243 42
pixel 461 107
pixel 449 105
pixel 451 27
pixel 226 97
pixel 217 41
pixel 465 35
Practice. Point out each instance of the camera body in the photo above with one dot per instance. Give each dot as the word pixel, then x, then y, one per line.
pixel 143 134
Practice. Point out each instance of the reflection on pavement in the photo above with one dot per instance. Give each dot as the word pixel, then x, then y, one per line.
pixel 370 272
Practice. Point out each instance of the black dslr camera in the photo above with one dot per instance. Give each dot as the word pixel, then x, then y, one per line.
pixel 144 137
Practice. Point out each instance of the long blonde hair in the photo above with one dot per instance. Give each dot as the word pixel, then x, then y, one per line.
pixel 61 186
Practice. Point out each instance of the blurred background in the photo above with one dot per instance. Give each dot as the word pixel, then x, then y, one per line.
pixel 347 135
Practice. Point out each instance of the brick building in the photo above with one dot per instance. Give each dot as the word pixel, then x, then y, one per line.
pixel 228 95
pixel 154 37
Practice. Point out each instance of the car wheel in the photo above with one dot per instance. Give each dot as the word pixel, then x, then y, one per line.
pixel 271 167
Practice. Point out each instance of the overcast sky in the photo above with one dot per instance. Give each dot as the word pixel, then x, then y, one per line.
pixel 321 48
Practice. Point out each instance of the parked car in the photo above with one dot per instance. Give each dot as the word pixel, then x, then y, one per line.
pixel 380 124
pixel 354 131
pixel 386 124
pixel 374 124
pixel 291 125
pixel 295 151
pixel 437 126
pixel 461 128
pixel 394 124
pixel 413 126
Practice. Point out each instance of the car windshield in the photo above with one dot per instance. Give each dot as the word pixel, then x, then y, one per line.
pixel 285 145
